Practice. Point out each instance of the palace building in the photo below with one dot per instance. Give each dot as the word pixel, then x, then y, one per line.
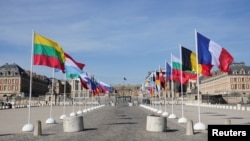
pixel 15 81
pixel 221 87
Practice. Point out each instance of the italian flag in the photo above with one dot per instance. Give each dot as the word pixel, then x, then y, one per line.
pixel 48 53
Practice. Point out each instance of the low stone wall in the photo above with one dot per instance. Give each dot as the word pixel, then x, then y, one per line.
pixel 229 107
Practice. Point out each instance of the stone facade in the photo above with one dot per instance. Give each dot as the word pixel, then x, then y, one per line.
pixel 126 90
pixel 233 86
pixel 15 81
pixel 237 81
pixel 77 90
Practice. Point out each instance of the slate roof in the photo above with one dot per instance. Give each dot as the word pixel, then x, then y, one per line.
pixel 12 68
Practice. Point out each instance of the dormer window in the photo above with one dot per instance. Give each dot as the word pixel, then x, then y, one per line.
pixel 242 72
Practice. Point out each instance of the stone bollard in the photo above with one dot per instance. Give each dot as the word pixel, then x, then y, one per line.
pixel 73 124
pixel 38 128
pixel 227 122
pixel 156 123
pixel 238 106
pixel 189 127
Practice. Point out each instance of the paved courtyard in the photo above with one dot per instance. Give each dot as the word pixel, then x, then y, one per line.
pixel 113 123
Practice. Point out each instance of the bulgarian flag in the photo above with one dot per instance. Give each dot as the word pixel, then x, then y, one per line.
pixel 178 74
pixel 48 53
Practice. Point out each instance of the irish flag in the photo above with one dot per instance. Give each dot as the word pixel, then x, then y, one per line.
pixel 48 53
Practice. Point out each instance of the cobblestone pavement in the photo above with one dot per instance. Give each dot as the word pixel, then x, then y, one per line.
pixel 111 123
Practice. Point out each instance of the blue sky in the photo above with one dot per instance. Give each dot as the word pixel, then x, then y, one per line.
pixel 121 38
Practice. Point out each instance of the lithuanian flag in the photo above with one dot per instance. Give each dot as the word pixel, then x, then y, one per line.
pixel 48 53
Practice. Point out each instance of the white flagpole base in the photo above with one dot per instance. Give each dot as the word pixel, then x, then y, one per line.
pixel 172 116
pixel 79 112
pixel 62 116
pixel 159 112
pixel 50 121
pixel 200 126
pixel 72 114
pixel 182 120
pixel 28 128
pixel 165 114
pixel 155 110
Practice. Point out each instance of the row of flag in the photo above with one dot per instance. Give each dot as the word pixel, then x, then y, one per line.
pixel 51 54
pixel 191 64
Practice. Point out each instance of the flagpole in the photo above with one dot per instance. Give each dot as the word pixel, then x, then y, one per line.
pixel 50 120
pixel 64 95
pixel 84 96
pixel 172 115
pixel 152 98
pixel 165 113
pixel 30 127
pixel 85 100
pixel 72 114
pixel 182 119
pixel 155 86
pixel 93 93
pixel 199 125
pixel 79 112
pixel 159 92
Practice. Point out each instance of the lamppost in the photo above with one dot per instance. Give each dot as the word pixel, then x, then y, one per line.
pixel 124 79
pixel 130 93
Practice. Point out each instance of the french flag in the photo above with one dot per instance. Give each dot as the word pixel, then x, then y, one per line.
pixel 85 80
pixel 210 53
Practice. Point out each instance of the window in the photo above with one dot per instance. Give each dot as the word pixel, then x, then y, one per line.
pixel 242 72
pixel 231 79
pixel 243 86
